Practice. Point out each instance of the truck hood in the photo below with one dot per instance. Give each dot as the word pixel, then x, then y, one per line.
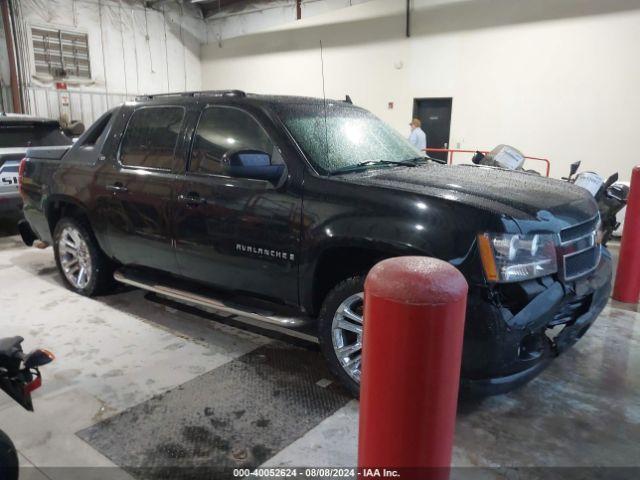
pixel 525 197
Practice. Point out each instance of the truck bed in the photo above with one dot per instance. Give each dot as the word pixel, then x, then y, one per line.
pixel 47 153
pixel 40 167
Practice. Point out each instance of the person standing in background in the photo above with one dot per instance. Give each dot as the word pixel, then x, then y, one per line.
pixel 417 138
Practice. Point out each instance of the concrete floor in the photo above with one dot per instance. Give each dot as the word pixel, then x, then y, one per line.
pixel 119 351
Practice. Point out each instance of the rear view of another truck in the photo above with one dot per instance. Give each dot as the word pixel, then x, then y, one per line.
pixel 17 133
pixel 10 202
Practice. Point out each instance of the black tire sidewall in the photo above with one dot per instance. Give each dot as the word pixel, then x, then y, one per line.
pixel 8 458
pixel 332 301
pixel 97 259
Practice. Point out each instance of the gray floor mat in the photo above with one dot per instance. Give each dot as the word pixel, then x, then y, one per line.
pixel 236 416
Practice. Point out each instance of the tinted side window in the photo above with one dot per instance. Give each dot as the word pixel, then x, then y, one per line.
pixel 222 129
pixel 151 137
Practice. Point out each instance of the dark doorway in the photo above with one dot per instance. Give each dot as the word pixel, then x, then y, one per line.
pixel 435 115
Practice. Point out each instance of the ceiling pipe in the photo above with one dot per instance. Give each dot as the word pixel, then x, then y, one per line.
pixel 13 69
pixel 408 18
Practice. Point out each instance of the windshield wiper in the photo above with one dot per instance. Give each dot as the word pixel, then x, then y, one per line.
pixel 419 159
pixel 369 163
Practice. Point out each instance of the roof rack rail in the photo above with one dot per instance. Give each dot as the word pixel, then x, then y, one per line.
pixel 209 93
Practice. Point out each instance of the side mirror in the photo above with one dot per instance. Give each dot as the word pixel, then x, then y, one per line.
pixel 574 168
pixel 74 129
pixel 252 164
pixel 37 358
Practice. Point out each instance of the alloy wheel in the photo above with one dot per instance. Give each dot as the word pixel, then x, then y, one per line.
pixel 346 332
pixel 75 258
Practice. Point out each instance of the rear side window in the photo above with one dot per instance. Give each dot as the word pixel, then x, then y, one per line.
pixel 97 131
pixel 151 137
pixel 222 129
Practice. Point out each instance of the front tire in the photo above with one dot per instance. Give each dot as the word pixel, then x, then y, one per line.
pixel 83 266
pixel 8 458
pixel 340 331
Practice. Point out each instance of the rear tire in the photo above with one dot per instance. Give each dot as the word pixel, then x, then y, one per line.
pixel 340 331
pixel 84 268
pixel 8 458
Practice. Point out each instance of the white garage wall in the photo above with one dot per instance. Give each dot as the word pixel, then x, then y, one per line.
pixel 556 78
pixel 132 50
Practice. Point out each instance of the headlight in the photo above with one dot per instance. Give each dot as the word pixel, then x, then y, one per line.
pixel 514 257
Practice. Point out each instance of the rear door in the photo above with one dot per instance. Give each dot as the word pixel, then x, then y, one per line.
pixel 136 185
pixel 236 233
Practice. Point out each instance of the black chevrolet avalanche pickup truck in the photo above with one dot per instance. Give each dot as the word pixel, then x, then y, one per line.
pixel 274 208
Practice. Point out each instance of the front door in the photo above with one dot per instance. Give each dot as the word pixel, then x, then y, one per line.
pixel 137 188
pixel 435 115
pixel 236 233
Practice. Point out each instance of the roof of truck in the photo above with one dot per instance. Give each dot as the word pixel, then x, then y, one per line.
pixel 235 94
pixel 19 118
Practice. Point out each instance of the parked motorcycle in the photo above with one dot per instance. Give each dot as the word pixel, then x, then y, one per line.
pixel 611 197
pixel 503 156
pixel 19 376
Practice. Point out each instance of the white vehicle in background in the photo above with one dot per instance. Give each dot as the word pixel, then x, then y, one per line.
pixel 17 133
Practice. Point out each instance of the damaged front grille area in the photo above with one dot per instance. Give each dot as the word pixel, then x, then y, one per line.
pixel 580 230
pixel 581 263
pixel 579 253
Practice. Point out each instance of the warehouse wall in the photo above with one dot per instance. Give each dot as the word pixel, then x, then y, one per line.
pixel 132 50
pixel 556 78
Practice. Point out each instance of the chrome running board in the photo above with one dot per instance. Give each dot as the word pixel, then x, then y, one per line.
pixel 250 315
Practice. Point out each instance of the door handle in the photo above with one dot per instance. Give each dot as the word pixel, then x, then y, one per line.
pixel 117 188
pixel 191 198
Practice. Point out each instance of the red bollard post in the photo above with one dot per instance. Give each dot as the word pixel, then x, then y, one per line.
pixel 627 286
pixel 414 311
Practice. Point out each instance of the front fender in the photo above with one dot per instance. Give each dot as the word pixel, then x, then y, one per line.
pixel 387 222
pixel 345 256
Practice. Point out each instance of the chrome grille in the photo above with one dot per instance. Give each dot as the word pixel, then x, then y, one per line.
pixel 580 230
pixel 579 253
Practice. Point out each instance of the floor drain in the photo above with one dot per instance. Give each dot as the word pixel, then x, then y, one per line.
pixel 324 382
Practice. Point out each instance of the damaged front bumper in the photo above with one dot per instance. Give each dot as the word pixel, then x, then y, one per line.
pixel 513 331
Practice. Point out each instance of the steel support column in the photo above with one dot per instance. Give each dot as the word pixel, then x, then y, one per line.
pixel 13 70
